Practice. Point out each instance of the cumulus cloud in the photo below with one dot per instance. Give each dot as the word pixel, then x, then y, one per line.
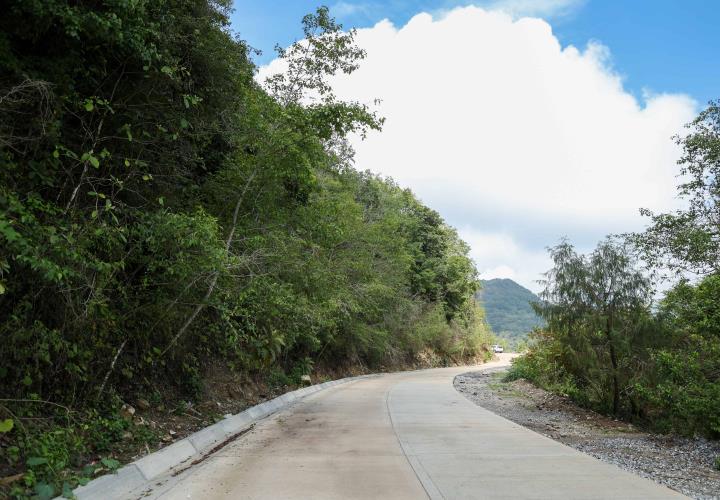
pixel 515 139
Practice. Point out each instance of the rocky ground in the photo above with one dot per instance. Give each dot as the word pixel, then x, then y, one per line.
pixel 685 465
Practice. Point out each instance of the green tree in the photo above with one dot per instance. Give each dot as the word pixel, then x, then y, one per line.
pixel 594 305
pixel 682 389
pixel 688 240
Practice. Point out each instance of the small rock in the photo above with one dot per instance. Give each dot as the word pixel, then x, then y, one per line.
pixel 167 438
pixel 139 421
pixel 305 380
pixel 127 411
pixel 172 432
pixel 143 404
pixel 127 436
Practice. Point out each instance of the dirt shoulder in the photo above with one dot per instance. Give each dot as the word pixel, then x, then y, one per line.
pixel 685 465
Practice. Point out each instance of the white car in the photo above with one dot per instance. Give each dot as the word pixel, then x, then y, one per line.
pixel 498 348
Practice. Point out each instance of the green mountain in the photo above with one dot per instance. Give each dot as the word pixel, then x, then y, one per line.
pixel 508 309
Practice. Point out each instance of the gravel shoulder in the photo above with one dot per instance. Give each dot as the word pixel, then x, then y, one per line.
pixel 683 464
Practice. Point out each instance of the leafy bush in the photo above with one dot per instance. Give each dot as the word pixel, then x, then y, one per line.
pixel 59 453
pixel 668 363
pixel 682 392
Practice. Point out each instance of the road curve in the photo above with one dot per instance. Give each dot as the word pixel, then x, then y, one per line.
pixel 400 436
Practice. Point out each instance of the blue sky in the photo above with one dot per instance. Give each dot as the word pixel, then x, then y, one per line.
pixel 659 45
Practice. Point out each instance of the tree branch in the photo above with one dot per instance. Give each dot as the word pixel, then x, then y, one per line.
pixel 213 282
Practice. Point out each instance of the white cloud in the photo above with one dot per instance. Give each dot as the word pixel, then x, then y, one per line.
pixel 344 9
pixel 504 131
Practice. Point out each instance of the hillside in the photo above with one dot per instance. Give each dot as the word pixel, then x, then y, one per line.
pixel 508 310
pixel 166 221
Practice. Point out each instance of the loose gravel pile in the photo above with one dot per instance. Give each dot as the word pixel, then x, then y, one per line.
pixel 683 464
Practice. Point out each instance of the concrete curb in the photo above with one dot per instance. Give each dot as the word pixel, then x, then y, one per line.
pixel 138 473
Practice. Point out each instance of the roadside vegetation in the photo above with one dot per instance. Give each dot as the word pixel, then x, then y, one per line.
pixel 609 344
pixel 162 212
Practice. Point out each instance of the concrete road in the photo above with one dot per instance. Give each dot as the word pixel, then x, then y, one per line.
pixel 400 436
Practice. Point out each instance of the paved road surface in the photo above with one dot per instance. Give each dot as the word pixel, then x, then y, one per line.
pixel 400 436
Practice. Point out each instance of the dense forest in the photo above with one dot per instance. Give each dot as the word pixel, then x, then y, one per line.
pixel 161 210
pixel 609 343
pixel 509 311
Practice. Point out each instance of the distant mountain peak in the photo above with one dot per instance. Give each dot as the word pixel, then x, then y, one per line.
pixel 508 309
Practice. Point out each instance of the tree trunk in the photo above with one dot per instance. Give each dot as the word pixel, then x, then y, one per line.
pixel 616 385
pixel 614 362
